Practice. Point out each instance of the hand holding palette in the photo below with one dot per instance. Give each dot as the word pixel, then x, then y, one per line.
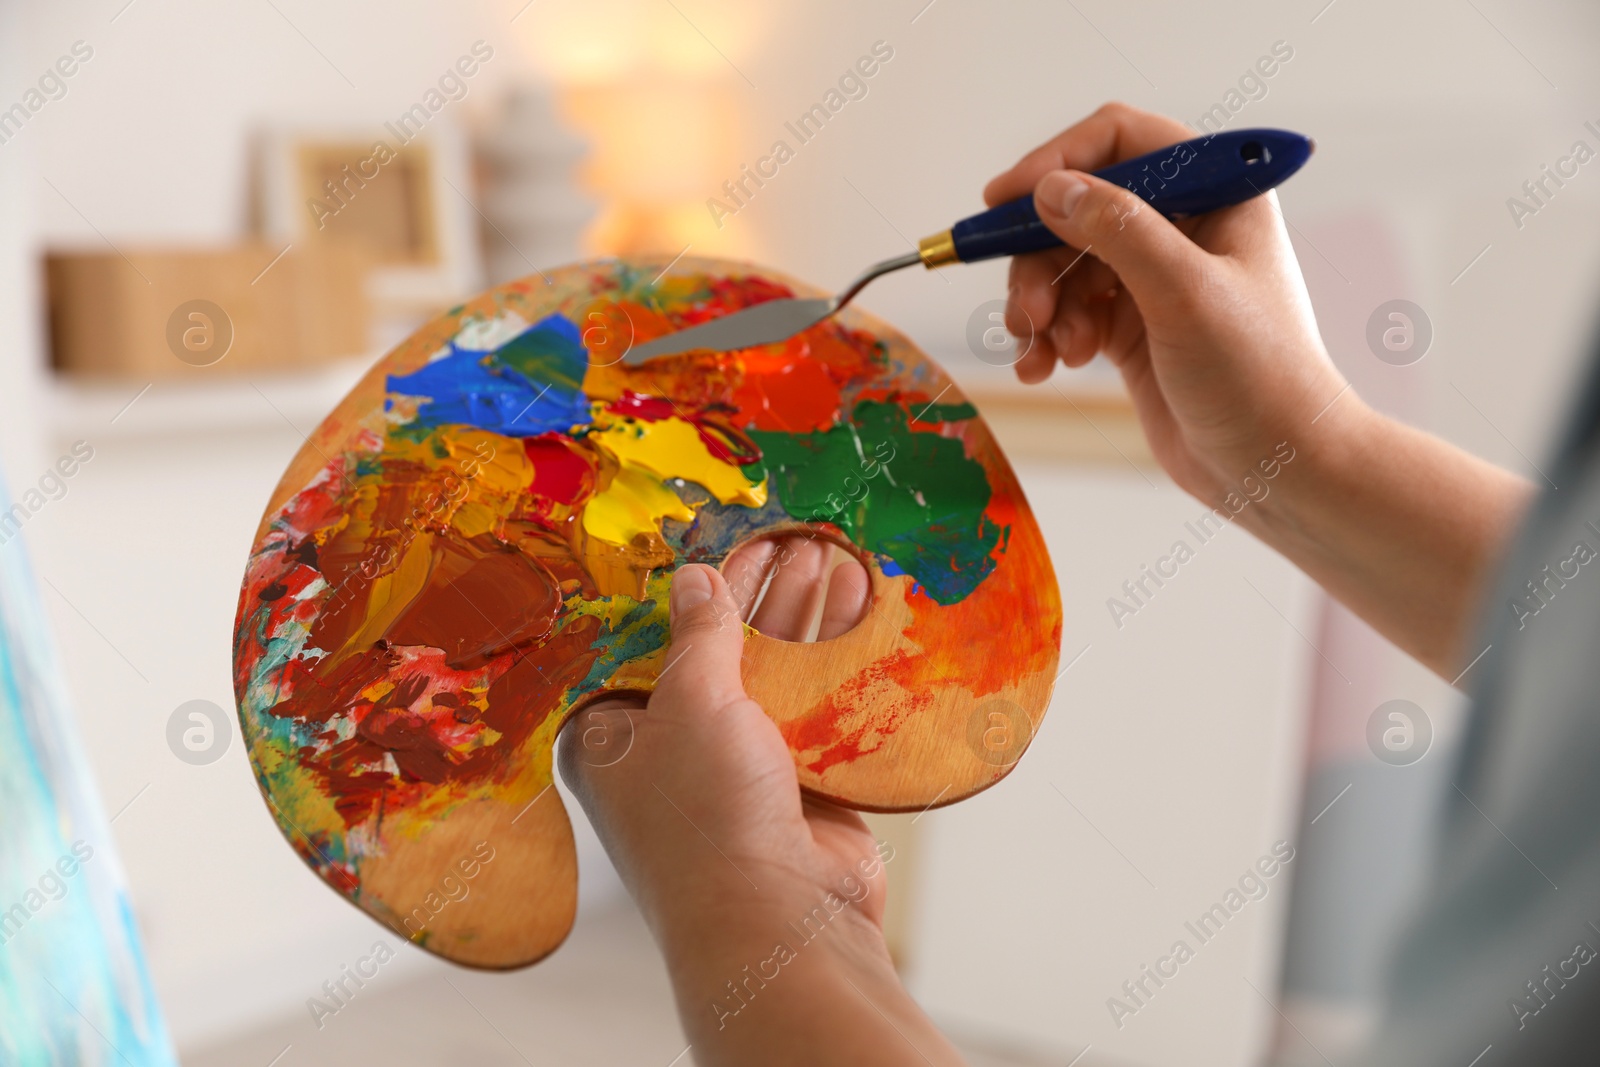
pixel 479 541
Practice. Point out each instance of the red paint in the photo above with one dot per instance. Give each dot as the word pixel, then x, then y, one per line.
pixel 787 395
pixel 560 472
pixel 724 442
pixel 823 727
pixel 639 406
pixel 726 293
pixel 485 613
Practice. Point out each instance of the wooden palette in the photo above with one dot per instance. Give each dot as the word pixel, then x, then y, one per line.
pixel 479 541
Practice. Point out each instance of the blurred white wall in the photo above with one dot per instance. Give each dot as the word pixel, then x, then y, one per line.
pixel 1423 113
pixel 1428 116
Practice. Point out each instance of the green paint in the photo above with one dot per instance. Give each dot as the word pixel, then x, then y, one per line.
pixel 944 412
pixel 550 353
pixel 912 496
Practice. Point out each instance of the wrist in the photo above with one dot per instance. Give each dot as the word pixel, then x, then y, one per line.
pixel 1401 527
pixel 1311 468
pixel 757 970
pixel 1311 432
pixel 726 935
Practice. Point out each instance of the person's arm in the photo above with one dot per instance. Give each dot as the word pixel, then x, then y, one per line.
pixel 768 908
pixel 1211 326
pixel 1400 526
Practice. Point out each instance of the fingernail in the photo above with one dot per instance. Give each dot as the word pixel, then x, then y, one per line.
pixel 691 587
pixel 1063 190
pixel 1060 337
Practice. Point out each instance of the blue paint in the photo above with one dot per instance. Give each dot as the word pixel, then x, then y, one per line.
pixel 532 384
pixel 641 631
pixel 947 562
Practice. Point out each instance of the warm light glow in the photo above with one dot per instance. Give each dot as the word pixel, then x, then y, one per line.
pixel 598 41
pixel 657 98
pixel 655 142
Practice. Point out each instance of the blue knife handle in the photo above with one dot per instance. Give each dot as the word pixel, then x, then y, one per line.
pixel 1181 180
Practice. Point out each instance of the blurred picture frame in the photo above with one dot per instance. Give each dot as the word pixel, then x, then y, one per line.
pixel 402 198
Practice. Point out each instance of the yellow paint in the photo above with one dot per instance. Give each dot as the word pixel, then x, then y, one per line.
pixel 496 463
pixel 647 453
pixel 672 448
pixel 634 503
pixel 612 610
pixel 481 738
pixel 620 570
pixel 496 471
pixel 358 514
pixel 474 486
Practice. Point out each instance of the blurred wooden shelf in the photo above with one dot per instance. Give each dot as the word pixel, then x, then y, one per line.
pixel 155 312
pixel 200 404
pixel 1039 423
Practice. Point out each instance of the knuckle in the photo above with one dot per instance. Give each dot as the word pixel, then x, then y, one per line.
pixel 708 618
pixel 1017 320
pixel 699 621
pixel 1111 209
pixel 1131 119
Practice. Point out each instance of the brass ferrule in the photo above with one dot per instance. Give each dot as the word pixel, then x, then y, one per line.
pixel 938 250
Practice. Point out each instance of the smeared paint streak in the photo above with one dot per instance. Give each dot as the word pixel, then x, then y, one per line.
pixel 628 629
pixel 476 602
pixel 859 715
pixel 549 352
pixel 497 391
pixel 493 467
pixel 922 502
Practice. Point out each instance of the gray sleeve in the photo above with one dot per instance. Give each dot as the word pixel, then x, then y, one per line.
pixel 1500 961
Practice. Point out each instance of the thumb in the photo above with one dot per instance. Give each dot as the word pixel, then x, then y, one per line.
pixel 1157 263
pixel 702 664
pixel 700 676
pixel 658 782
